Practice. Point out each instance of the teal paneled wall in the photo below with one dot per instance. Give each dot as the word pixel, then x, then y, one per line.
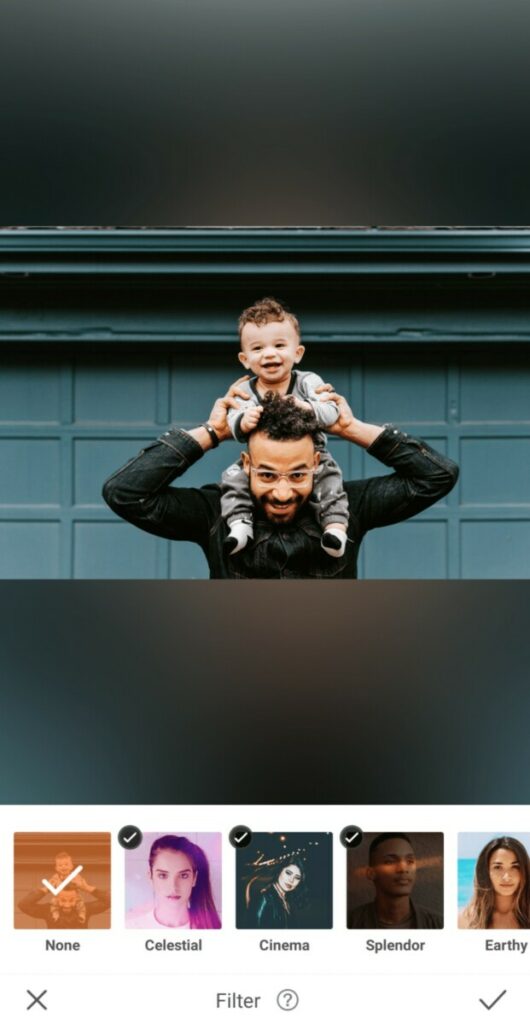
pixel 68 420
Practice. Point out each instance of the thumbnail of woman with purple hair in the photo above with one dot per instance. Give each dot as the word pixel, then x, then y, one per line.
pixel 181 889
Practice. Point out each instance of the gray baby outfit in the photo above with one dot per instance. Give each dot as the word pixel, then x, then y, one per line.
pixel 328 500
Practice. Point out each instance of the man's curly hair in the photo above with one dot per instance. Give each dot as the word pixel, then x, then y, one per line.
pixel 283 420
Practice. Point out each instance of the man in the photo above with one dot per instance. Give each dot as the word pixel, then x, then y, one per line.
pixel 64 912
pixel 280 462
pixel 392 870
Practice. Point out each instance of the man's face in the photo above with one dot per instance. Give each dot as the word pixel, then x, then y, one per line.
pixel 270 351
pixel 280 498
pixel 67 900
pixel 393 867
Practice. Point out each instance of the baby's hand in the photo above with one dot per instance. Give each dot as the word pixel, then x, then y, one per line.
pixel 301 404
pixel 250 419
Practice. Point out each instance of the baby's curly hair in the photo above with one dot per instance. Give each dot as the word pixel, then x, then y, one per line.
pixel 283 420
pixel 265 310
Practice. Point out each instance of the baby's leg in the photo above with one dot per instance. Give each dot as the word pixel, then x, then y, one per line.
pixel 236 508
pixel 334 539
pixel 330 503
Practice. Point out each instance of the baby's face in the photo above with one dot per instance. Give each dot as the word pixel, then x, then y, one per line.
pixel 63 866
pixel 269 351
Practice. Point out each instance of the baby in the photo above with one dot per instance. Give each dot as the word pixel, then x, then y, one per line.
pixel 270 349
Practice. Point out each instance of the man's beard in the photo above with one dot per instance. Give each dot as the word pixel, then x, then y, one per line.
pixel 265 506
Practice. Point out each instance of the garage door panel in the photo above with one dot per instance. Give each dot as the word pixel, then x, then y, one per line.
pixel 30 471
pixel 405 389
pixel 416 549
pixel 341 452
pixel 30 395
pixel 113 551
pixel 334 369
pixel 95 460
pixel 197 381
pixel 494 390
pixel 349 457
pixel 208 470
pixel 187 562
pixel 122 391
pixel 507 545
pixel 495 471
pixel 30 550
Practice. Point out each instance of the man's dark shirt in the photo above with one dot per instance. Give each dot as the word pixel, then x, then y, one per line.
pixel 97 902
pixel 140 492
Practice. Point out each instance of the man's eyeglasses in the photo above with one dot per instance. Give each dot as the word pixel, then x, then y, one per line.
pixel 296 478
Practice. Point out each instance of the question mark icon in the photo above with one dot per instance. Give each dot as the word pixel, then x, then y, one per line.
pixel 287 999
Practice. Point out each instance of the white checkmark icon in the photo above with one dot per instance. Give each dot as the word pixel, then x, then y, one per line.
pixel 66 881
pixel 349 839
pixel 239 839
pixel 129 839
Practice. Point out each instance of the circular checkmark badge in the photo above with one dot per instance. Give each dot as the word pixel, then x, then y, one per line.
pixel 351 836
pixel 240 836
pixel 130 837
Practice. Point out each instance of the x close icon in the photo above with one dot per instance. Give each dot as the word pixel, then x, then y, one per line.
pixel 36 1000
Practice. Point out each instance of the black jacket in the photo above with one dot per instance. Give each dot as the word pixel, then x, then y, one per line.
pixel 269 911
pixel 140 492
pixel 95 904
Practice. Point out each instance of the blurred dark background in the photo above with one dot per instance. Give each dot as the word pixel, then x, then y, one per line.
pixel 211 692
pixel 236 112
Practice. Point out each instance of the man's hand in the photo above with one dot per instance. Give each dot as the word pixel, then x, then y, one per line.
pixel 345 419
pixel 218 418
pixel 250 419
pixel 346 425
pixel 301 404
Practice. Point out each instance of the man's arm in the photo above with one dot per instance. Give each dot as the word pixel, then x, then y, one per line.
pixel 100 903
pixel 140 491
pixel 32 906
pixel 422 475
